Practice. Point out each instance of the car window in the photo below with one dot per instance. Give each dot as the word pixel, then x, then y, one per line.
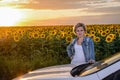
pixel 100 65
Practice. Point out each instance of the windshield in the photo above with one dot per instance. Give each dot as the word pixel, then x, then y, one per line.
pixel 101 64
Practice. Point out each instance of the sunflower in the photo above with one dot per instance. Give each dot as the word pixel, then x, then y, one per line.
pixel 92 28
pixel 49 38
pixel 92 32
pixel 16 38
pixel 69 39
pixel 107 31
pixel 30 36
pixel 8 33
pixel 15 33
pixel 19 31
pixel 112 36
pixel 92 36
pixel 42 35
pixel 87 34
pixel 97 39
pixel 108 39
pixel 58 37
pixel 70 33
pixel 100 31
pixel 23 31
pixel 62 34
pixel 53 32
pixel 35 35
pixel 21 34
pixel 103 34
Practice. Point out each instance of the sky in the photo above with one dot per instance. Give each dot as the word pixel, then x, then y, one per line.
pixel 58 12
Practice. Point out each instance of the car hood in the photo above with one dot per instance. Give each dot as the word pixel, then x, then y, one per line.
pixel 58 72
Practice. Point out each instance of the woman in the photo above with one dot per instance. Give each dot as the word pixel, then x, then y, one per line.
pixel 81 49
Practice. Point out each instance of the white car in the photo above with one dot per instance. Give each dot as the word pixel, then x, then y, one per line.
pixel 107 69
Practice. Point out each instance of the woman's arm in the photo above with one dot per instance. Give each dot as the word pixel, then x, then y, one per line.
pixel 70 49
pixel 92 52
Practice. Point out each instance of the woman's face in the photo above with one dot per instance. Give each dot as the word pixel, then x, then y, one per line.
pixel 80 32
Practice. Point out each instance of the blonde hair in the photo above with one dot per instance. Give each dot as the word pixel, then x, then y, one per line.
pixel 79 25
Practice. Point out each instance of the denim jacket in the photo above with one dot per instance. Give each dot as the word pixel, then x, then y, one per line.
pixel 88 48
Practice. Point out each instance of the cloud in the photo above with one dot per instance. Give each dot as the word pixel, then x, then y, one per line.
pixel 101 19
pixel 67 11
pixel 106 10
pixel 62 4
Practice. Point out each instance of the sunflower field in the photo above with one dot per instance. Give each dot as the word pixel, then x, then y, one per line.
pixel 23 49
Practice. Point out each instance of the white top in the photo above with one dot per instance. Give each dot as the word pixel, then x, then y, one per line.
pixel 79 57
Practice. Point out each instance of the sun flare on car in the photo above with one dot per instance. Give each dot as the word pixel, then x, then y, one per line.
pixel 10 16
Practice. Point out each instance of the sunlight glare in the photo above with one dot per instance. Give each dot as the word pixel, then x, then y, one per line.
pixel 8 0
pixel 9 16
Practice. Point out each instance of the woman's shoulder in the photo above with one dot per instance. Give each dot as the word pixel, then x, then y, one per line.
pixel 74 40
pixel 88 39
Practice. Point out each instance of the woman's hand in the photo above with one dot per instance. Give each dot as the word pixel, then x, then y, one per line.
pixel 91 61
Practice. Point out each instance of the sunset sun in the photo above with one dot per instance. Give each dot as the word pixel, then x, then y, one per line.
pixel 9 16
